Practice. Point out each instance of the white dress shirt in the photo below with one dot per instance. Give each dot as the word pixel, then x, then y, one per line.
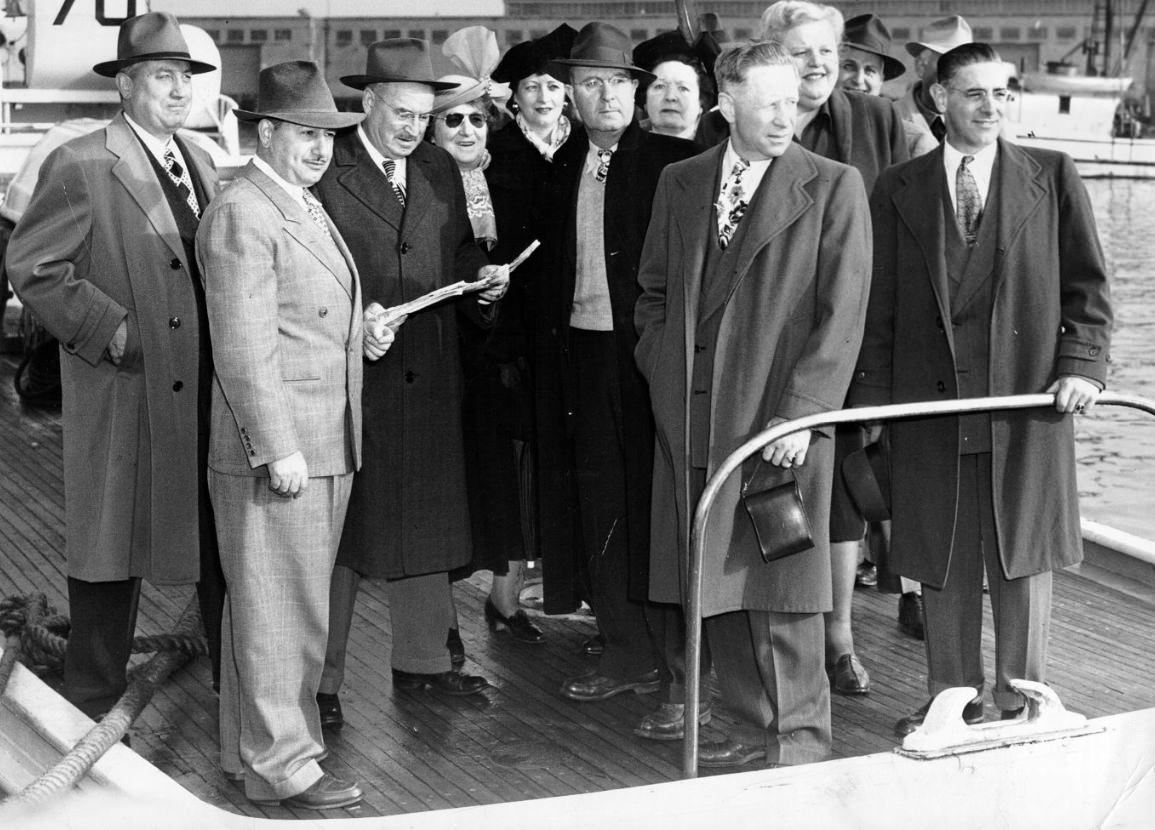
pixel 981 168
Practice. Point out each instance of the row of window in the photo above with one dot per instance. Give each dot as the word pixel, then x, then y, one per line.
pixel 345 37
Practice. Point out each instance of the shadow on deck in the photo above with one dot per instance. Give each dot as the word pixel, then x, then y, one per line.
pixel 520 740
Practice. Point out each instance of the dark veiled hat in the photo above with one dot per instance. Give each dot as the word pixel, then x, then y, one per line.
pixel 868 33
pixel 154 36
pixel 599 46
pixel 673 44
pixel 400 60
pixel 296 92
pixel 532 57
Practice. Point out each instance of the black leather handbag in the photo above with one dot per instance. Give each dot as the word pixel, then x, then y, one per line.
pixel 774 503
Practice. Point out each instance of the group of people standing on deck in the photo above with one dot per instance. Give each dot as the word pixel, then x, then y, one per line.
pixel 247 406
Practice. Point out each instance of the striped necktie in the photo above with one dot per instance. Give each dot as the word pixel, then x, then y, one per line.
pixel 182 180
pixel 968 203
pixel 316 212
pixel 390 173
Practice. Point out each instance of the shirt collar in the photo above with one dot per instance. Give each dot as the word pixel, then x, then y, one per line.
pixel 379 159
pixel 754 173
pixel 155 145
pixel 296 193
pixel 984 159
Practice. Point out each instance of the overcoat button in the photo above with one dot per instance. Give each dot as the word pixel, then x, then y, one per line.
pixel 404 248
pixel 174 265
pixel 940 386
pixel 324 312
pixel 174 322
pixel 410 376
pixel 1094 350
pixel 176 387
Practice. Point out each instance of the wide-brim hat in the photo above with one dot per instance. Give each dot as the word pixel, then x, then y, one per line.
pixel 532 57
pixel 941 36
pixel 399 60
pixel 466 89
pixel 154 36
pixel 866 473
pixel 600 46
pixel 673 45
pixel 296 92
pixel 868 33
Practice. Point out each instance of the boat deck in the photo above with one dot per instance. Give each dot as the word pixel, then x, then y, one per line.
pixel 520 740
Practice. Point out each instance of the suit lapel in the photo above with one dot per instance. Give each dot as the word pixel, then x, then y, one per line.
pixel 366 182
pixel 1023 187
pixel 780 199
pixel 135 172
pixel 418 188
pixel 694 222
pixel 918 204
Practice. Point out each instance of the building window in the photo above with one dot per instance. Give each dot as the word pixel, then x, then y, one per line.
pixel 389 34
pixel 512 37
pixel 440 35
pixel 534 34
pixel 1010 33
pixel 344 37
pixel 900 33
pixel 417 33
pixel 1037 33
pixel 1066 32
pixel 235 36
pixel 283 34
pixel 215 34
pixel 368 36
pixel 258 35
pixel 983 34
pixel 638 35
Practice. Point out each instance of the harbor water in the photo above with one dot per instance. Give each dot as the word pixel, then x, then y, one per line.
pixel 1116 447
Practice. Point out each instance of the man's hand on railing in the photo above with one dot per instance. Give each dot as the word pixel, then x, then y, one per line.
pixel 789 451
pixel 1074 394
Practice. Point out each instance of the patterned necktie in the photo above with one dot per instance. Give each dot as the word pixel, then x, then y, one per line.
pixel 316 212
pixel 968 204
pixel 603 170
pixel 732 203
pixel 183 182
pixel 398 189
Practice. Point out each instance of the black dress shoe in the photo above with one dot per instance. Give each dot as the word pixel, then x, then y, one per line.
pixel 446 682
pixel 728 753
pixel 329 793
pixel 456 648
pixel 668 721
pixel 1010 714
pixel 330 708
pixel 849 676
pixel 594 686
pixel 972 714
pixel 517 624
pixel 911 618
pixel 595 646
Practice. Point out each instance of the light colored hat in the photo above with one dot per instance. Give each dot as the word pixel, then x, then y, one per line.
pixel 941 36
pixel 474 50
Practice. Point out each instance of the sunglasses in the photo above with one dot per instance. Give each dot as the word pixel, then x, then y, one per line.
pixel 454 119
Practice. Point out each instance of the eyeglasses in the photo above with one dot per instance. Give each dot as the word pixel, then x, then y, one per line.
pixel 404 115
pixel 615 84
pixel 453 120
pixel 978 96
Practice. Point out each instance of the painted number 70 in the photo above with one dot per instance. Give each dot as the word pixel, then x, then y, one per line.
pixel 101 18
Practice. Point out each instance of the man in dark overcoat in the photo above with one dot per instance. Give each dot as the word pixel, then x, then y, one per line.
pixel 595 430
pixel 399 204
pixel 754 281
pixel 988 280
pixel 104 257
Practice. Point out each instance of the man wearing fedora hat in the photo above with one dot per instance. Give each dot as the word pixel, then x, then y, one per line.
pixel 284 304
pixel 594 426
pixel 917 108
pixel 400 204
pixel 104 257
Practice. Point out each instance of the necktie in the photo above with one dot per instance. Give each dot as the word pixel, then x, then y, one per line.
pixel 181 179
pixel 398 189
pixel 316 212
pixel 938 129
pixel 603 170
pixel 732 203
pixel 968 205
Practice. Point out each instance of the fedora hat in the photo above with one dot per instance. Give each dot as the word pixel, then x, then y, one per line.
pixel 600 46
pixel 941 36
pixel 154 36
pixel 296 92
pixel 532 57
pixel 399 60
pixel 868 33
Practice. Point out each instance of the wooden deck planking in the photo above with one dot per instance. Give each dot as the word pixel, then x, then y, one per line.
pixel 414 752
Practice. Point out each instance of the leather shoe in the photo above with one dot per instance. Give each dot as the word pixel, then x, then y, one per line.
pixel 1010 714
pixel 446 682
pixel 518 624
pixel 849 676
pixel 330 708
pixel 328 793
pixel 595 646
pixel 668 721
pixel 972 714
pixel 911 617
pixel 728 753
pixel 594 686
pixel 456 648
pixel 866 576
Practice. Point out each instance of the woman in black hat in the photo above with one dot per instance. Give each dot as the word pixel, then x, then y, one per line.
pixel 683 86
